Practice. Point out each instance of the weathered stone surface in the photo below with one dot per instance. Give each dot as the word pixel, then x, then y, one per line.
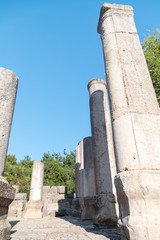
pixel 20 196
pixel 136 124
pixel 66 228
pixel 34 208
pixel 85 177
pixel 51 197
pixel 17 207
pixel 61 190
pixel 16 187
pixel 37 181
pixel 7 193
pixel 103 152
pixel 139 203
pixel 88 207
pixel 8 90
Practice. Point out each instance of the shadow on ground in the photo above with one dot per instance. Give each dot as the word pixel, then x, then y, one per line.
pixel 13 223
pixel 111 232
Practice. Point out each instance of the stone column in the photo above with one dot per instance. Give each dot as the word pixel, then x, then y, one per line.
pixel 8 89
pixel 85 177
pixel 85 180
pixel 103 151
pixel 136 124
pixel 34 207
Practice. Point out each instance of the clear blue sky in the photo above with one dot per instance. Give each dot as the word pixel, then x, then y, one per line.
pixel 55 50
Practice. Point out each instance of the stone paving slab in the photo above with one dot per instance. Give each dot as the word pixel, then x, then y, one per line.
pixel 64 228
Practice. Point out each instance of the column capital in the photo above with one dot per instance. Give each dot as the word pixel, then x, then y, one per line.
pixel 124 11
pixel 96 84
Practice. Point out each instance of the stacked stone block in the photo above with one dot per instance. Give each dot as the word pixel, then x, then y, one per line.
pixel 16 208
pixel 51 197
pixel 136 124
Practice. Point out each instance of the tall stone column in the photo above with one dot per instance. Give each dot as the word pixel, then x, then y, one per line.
pixel 34 208
pixel 8 90
pixel 136 124
pixel 103 152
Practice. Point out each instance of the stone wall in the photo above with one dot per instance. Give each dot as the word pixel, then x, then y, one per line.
pixel 51 197
pixel 17 207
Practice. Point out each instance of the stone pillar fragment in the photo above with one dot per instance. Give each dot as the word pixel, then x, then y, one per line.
pixel 8 90
pixel 85 178
pixel 34 208
pixel 136 124
pixel 103 152
pixel 7 193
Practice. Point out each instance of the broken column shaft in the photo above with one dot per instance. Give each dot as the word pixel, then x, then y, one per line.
pixel 34 207
pixel 85 178
pixel 136 124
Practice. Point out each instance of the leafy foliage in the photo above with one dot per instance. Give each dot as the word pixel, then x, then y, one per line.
pixel 59 170
pixel 151 48
pixel 19 173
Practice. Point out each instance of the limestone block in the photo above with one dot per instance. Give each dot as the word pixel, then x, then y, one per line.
pixel 54 190
pixel 34 209
pixel 88 207
pixel 46 189
pixel 20 196
pixel 89 187
pixel 8 90
pixel 61 190
pixel 139 199
pixel 76 205
pixel 7 193
pixel 16 187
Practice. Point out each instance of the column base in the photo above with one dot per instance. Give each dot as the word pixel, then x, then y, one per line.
pixel 139 203
pixel 88 207
pixel 7 194
pixel 34 209
pixel 106 210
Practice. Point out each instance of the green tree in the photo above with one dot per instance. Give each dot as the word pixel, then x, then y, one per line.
pixel 19 173
pixel 59 170
pixel 151 48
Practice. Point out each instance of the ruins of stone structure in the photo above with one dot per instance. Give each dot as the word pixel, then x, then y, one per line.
pixel 16 208
pixel 103 153
pixel 51 197
pixel 8 90
pixel 136 124
pixel 85 178
pixel 34 207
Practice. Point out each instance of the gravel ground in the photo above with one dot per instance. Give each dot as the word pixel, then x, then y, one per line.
pixel 60 228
